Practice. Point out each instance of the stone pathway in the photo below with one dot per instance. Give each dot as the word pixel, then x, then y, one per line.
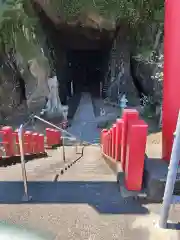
pixel 84 123
pixel 99 104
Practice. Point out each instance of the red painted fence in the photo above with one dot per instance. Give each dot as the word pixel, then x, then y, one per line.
pixel 126 142
pixel 33 142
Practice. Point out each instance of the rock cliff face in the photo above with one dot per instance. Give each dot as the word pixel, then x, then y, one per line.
pixel 146 73
pixel 88 31
pixel 11 94
pixel 22 91
pixel 119 79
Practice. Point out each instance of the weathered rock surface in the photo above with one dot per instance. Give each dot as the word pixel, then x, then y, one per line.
pixel 152 86
pixel 10 95
pixel 121 81
pixel 39 68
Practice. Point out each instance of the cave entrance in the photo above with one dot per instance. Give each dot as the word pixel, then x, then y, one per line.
pixel 86 70
pixel 81 50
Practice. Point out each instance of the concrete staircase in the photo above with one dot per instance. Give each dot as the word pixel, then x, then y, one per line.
pixel 64 204
pixel 76 197
pixel 84 124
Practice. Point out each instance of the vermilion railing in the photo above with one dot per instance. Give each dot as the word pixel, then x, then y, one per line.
pixel 125 143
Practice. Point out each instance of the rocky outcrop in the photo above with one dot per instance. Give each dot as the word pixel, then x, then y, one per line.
pixel 10 96
pixel 22 90
pixel 119 77
pixel 39 68
pixel 83 18
pixel 148 75
pixel 11 87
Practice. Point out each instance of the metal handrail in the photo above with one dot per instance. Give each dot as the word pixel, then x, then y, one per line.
pixel 61 129
pixel 24 174
pixel 26 196
pixel 171 177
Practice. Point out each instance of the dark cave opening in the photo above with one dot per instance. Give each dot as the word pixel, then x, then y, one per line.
pixel 86 70
pixel 80 55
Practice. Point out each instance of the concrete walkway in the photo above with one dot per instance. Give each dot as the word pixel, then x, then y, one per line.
pixel 84 122
pixel 83 204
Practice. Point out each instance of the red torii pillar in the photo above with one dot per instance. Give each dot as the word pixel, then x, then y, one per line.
pixel 171 91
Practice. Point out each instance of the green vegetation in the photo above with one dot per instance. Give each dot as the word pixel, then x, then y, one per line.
pixel 18 24
pixel 20 30
pixel 133 10
pixel 17 29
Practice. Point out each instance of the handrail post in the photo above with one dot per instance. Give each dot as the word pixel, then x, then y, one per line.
pixel 58 128
pixel 64 155
pixel 23 167
pixel 171 177
pixel 76 149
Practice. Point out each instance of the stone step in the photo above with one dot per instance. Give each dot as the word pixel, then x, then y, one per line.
pixel 155 176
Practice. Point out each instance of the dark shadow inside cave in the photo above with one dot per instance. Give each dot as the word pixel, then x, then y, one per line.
pixel 80 54
pixel 86 70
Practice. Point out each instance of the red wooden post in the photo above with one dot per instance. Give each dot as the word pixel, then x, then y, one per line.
pixel 113 140
pixel 103 143
pixel 119 124
pixel 106 143
pixel 50 140
pixel 101 135
pixel 35 143
pixel 1 142
pixel 128 115
pixel 8 141
pixel 171 83
pixel 110 142
pixel 16 141
pixel 58 137
pixel 53 137
pixel 136 141
pixel 28 142
pixel 41 143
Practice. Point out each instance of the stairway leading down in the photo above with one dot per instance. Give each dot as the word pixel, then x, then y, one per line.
pixel 83 203
pixel 84 123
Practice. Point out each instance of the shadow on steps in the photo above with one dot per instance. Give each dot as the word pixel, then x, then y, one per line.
pixel 103 196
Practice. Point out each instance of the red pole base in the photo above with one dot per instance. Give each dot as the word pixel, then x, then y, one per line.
pixel 8 141
pixel 113 141
pixel 119 124
pixel 128 115
pixel 134 168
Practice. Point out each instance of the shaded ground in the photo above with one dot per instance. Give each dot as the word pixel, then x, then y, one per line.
pixel 84 203
pixel 99 104
pixel 84 123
